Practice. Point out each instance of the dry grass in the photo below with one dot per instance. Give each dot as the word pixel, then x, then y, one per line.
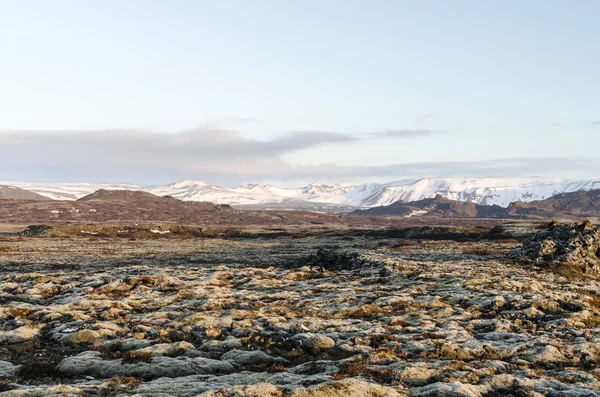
pixel 8 248
pixel 594 301
pixel 482 251
pixel 19 312
pixel 361 368
pixel 571 272
pixel 131 232
pixel 130 381
pixel 596 374
pixel 404 246
pixel 594 320
pixel 136 357
pixel 402 249
pixel 362 312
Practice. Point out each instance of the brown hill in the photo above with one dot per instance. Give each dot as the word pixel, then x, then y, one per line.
pixel 109 206
pixel 119 195
pixel 15 193
pixel 145 200
pixel 117 206
pixel 575 205
pixel 436 207
pixel 579 204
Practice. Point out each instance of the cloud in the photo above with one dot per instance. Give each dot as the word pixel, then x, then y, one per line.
pixel 559 125
pixel 226 157
pixel 424 118
pixel 503 167
pixel 408 133
pixel 139 154
pixel 593 122
pixel 137 147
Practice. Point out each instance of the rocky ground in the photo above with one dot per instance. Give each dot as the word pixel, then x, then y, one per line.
pixel 262 317
pixel 575 246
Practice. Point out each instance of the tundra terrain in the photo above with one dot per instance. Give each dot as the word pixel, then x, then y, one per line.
pixel 417 312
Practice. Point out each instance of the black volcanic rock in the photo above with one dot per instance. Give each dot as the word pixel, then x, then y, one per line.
pixel 572 245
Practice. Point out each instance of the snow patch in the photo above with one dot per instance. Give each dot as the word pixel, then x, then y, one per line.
pixel 416 213
pixel 156 231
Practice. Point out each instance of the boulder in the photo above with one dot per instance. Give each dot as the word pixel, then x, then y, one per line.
pixel 544 355
pixel 91 364
pixel 346 388
pixel 260 390
pixel 453 389
pixel 254 357
pixel 19 335
pixel 8 370
pixel 318 343
pixel 333 260
pixel 84 336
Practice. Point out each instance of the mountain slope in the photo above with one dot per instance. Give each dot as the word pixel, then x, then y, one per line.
pixel 145 202
pixel 15 193
pixel 485 191
pixel 68 190
pixel 581 203
pixel 115 206
pixel 436 207
pixel 565 205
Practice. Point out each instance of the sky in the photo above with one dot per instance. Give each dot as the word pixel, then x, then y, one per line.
pixel 288 92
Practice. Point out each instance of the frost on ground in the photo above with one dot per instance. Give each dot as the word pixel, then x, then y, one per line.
pixel 265 318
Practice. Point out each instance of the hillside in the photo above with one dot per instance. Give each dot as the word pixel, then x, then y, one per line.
pixel 109 206
pixel 15 193
pixel 565 205
pixel 144 200
pixel 580 204
pixel 435 207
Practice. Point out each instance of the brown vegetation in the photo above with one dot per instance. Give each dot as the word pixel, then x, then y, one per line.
pixel 482 251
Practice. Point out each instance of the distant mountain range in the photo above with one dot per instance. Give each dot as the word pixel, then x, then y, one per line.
pixel 19 205
pixel 482 191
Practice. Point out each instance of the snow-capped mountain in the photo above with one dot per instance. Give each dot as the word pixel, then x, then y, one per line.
pixel 499 191
pixel 487 191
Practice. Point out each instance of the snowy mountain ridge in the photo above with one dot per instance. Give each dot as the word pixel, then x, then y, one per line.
pixel 499 191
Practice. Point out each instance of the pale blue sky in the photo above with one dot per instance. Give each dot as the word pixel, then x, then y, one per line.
pixel 462 82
